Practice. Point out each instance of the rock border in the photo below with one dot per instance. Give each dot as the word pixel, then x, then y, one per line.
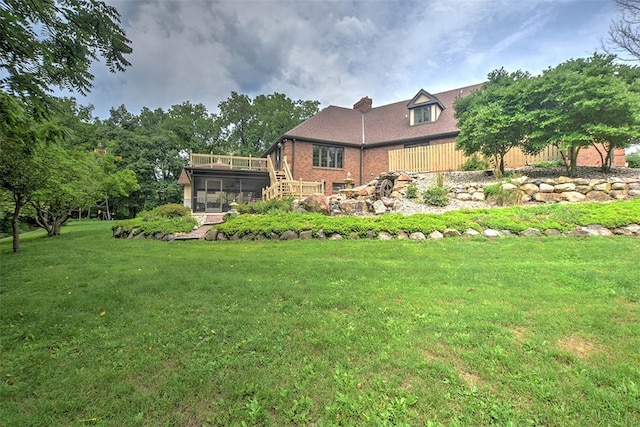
pixel 213 234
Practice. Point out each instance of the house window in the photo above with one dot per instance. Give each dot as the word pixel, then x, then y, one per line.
pixel 328 157
pixel 337 186
pixel 422 114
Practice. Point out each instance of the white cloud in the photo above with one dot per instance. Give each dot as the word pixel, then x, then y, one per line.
pixel 336 52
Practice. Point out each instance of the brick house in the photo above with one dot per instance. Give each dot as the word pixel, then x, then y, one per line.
pixel 357 140
pixel 335 142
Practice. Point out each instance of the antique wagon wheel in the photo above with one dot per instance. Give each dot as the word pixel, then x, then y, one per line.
pixel 383 188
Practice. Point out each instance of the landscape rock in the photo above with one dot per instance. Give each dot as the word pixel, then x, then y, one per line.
pixel 354 207
pixel 531 232
pixel 619 185
pixel 561 188
pixel 597 230
pixel 383 235
pixel 379 208
pixel 618 194
pixel 289 235
pixel 573 196
pixel 306 234
pixel 546 188
pixel 529 188
pixel 436 235
pixel 317 203
pixel 547 197
pixel 471 232
pixel 605 186
pixel 417 235
pixel 598 196
pixel 211 234
pixel 491 233
pixel 451 232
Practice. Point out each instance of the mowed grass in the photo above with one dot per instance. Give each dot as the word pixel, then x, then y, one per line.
pixel 518 331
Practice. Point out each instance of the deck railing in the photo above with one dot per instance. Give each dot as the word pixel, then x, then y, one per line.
pixel 228 162
pixel 287 188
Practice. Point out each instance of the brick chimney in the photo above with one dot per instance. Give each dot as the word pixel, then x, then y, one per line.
pixel 363 105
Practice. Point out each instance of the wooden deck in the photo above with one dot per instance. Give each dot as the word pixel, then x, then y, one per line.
pixel 281 182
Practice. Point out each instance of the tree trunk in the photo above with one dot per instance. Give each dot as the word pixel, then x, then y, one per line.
pixel 15 221
pixel 573 160
pixel 15 225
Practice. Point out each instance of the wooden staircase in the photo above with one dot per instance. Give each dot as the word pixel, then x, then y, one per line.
pixel 283 184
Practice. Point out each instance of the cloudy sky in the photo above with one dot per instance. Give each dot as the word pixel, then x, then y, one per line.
pixel 336 52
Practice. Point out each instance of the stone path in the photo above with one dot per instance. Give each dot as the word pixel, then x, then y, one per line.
pixel 199 232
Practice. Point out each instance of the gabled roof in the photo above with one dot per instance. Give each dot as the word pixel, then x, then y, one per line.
pixel 424 98
pixel 379 125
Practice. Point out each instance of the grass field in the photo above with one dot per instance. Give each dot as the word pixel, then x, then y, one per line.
pixel 518 331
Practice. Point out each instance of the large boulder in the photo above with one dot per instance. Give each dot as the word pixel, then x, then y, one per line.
pixel 378 207
pixel 354 207
pixel 317 203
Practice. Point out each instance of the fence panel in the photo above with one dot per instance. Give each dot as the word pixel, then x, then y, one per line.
pixel 445 157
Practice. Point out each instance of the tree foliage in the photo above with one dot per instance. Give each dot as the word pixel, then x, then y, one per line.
pixel 54 42
pixel 586 102
pixel 624 33
pixel 580 103
pixel 44 44
pixel 249 126
pixel 493 119
pixel 73 176
pixel 19 140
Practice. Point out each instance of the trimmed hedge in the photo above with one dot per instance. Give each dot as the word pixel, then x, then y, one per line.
pixel 562 217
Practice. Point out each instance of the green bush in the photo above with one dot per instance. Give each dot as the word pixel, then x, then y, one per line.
pixel 548 164
pixel 269 206
pixel 502 197
pixel 179 224
pixel 634 160
pixel 172 210
pixel 475 163
pixel 437 195
pixel 167 219
pixel 412 191
pixel 562 217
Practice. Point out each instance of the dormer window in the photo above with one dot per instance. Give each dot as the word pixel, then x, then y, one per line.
pixel 424 108
pixel 422 114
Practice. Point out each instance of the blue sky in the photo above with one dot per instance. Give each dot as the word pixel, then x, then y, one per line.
pixel 336 52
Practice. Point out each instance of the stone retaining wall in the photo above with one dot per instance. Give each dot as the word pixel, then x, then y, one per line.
pixel 214 234
pixel 592 230
pixel 558 189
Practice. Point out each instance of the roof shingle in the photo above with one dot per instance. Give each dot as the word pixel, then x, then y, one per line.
pixel 384 124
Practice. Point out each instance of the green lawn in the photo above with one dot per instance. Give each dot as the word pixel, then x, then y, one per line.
pixel 518 331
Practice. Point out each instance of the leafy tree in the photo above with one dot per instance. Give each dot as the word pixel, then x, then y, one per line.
pixel 19 139
pixel 196 129
pixel 624 34
pixel 581 103
pixel 54 42
pixel 74 179
pixel 44 44
pixel 249 126
pixel 72 174
pixel 156 145
pixel 493 119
